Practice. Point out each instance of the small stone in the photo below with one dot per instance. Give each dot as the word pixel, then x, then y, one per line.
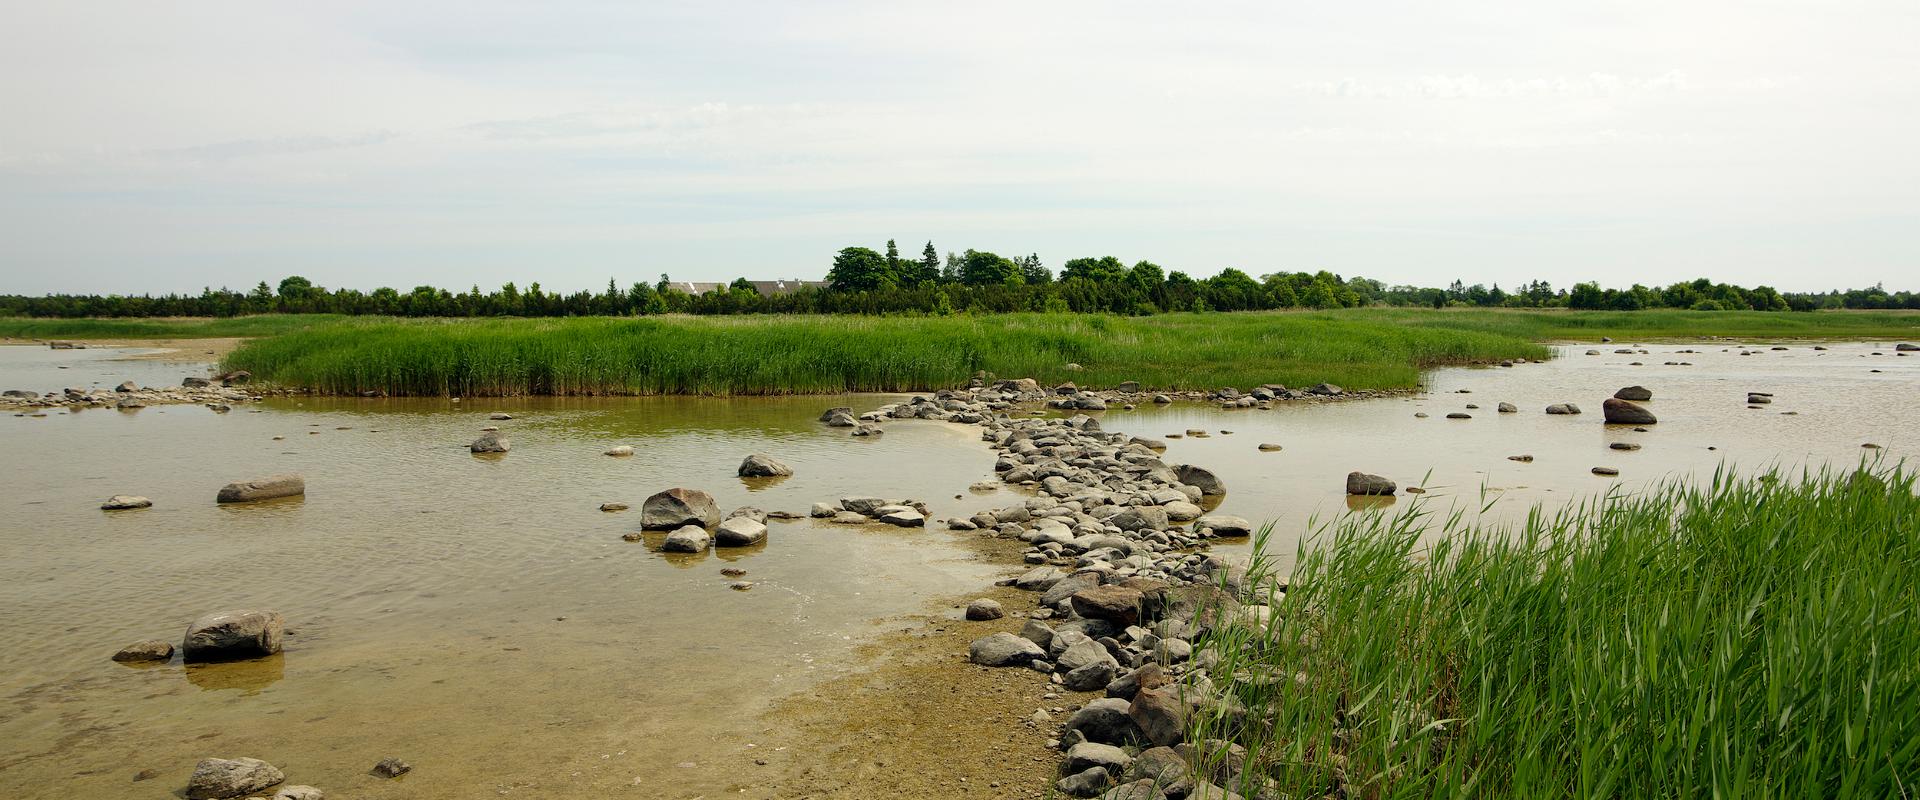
pixel 1605 471
pixel 613 506
pixel 124 502
pixel 620 450
pixel 763 466
pixel 1361 483
pixel 150 650
pixel 391 768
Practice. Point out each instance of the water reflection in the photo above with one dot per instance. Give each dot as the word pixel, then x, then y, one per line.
pixel 249 677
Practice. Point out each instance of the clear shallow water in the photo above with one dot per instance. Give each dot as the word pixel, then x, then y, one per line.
pixel 42 369
pixel 425 586
pixel 1838 404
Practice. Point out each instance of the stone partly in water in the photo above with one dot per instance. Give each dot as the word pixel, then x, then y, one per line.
pixel 1508 408
pixel 675 508
pixel 220 778
pixel 234 635
pixel 263 489
pixel 123 502
pixel 1637 394
pixel 740 532
pixel 620 450
pixel 1563 408
pixel 688 539
pixel 1759 398
pixel 1200 478
pixel 1225 525
pixel 391 768
pixel 151 650
pixel 1621 412
pixel 1361 483
pixel 1605 471
pixel 490 442
pixel 763 466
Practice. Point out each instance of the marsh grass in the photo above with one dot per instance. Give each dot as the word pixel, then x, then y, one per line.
pixel 821 354
pixel 1740 637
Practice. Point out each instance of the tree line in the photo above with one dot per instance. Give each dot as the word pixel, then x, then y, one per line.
pixel 862 280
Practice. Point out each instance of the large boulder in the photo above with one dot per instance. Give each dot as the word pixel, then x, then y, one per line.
pixel 1637 394
pixel 739 532
pixel 1202 479
pixel 687 539
pixel 219 778
pixel 763 466
pixel 1114 603
pixel 1141 518
pixel 1361 483
pixel 1160 714
pixel 263 489
pixel 233 635
pixel 1620 412
pixel 1004 650
pixel 676 508
pixel 490 442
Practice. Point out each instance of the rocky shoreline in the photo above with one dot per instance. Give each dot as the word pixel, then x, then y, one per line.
pixel 1115 542
pixel 217 393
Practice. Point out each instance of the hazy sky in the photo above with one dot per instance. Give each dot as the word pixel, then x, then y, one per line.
pixel 157 146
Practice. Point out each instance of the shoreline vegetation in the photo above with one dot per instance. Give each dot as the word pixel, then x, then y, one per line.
pixel 1360 349
pixel 1736 637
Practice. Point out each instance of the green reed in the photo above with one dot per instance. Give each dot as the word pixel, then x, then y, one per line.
pixel 819 354
pixel 1734 638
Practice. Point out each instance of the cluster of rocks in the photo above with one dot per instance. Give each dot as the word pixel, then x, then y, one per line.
pixel 1113 534
pixel 130 395
pixel 222 778
pixel 694 524
pixel 863 510
pixel 268 488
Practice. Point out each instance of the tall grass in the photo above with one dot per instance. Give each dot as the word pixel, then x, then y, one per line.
pixel 1543 325
pixel 160 328
pixel 818 354
pixel 1739 638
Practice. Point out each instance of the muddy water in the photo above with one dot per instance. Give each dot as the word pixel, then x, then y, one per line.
pixel 480 618
pixel 1826 405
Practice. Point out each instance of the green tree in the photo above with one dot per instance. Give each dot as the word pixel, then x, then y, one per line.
pixel 859 269
pixel 980 268
pixel 895 272
pixel 927 271
pixel 1105 269
pixel 1034 272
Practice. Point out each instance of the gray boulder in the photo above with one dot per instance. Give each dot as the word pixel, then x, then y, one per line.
pixel 299 793
pixel 984 609
pixel 491 442
pixel 1087 783
pixel 1620 412
pixel 1004 650
pixel 676 508
pixel 150 650
pixel 1161 715
pixel 263 489
pixel 1361 483
pixel 1141 518
pixel 904 518
pixel 233 635
pixel 1087 755
pixel 1104 721
pixel 219 778
pixel 763 466
pixel 1204 480
pixel 1563 409
pixel 739 532
pixel 687 539
pixel 1225 525
pixel 195 383
pixel 1637 394
pixel 123 502
pixel 1508 408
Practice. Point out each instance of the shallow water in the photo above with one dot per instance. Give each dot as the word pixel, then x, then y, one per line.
pixel 426 589
pixel 1826 405
pixel 480 618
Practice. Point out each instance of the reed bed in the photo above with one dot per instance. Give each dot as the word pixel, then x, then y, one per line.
pixel 824 354
pixel 160 327
pixel 1736 638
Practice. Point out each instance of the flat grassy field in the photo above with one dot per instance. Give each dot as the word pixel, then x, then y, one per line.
pixel 1741 637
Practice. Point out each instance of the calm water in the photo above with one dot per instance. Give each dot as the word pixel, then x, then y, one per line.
pixel 482 619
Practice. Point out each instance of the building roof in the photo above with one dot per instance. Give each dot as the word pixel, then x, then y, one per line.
pixel 765 288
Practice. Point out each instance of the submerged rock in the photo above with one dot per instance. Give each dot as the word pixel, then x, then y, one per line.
pixel 763 466
pixel 1361 483
pixel 123 502
pixel 620 450
pixel 675 508
pixel 1621 412
pixel 150 650
pixel 1563 408
pixel 490 442
pixel 263 489
pixel 234 635
pixel 220 778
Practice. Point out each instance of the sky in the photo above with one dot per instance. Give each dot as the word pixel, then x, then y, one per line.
pixel 161 147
